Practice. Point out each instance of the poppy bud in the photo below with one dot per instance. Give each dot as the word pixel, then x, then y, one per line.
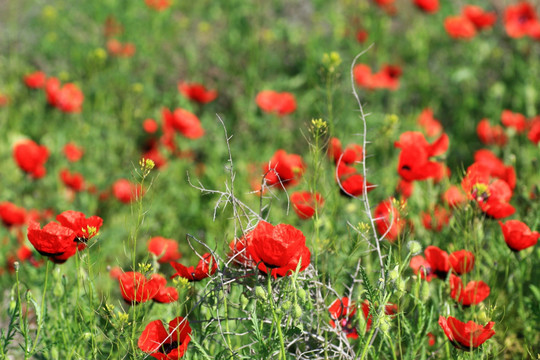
pixel 302 294
pixel 260 293
pixel 286 305
pixel 424 291
pixel 414 247
pixel 244 301
pixel 394 273
pixel 297 312
pixel 384 325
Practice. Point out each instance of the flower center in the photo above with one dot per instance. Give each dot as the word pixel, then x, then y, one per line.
pixel 167 348
pixel 480 192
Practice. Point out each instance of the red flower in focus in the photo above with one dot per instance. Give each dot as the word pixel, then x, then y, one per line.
pixel 35 80
pixel 480 18
pixel 158 5
pixel 150 126
pixel 496 167
pixel 466 336
pixel 52 240
pixel 166 250
pixel 74 181
pixel 165 295
pixel 207 266
pixel 279 249
pixel 491 196
pixel 429 6
pixel 514 120
pixel 388 220
pixel 284 169
pixel 518 236
pixel 125 191
pixel 162 345
pixel 73 152
pixel 118 49
pixel 84 228
pixel 184 122
pixel 343 313
pixel 31 158
pixel 305 203
pixel 135 288
pixel 351 183
pixel 431 126
pixel 519 18
pixel 440 218
pixel 270 101
pixel 197 92
pixel 11 214
pixel 435 264
pixel 414 159
pixel 474 293
pixel 461 261
pixel 239 254
pixel 459 27
pixel 491 135
pixel 454 197
pixel 69 98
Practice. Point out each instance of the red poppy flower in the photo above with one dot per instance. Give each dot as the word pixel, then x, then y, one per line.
pixel 459 27
pixel 125 191
pixel 435 264
pixel 514 120
pixel 429 6
pixel 119 49
pixel 73 152
pixel 361 36
pixel 517 235
pixel 362 75
pixel 162 345
pixel 53 240
pixel 31 158
pixel 69 98
pixel 11 214
pixel 388 220
pixel 534 132
pixel 269 101
pixel 24 253
pixel 150 126
pixel 305 203
pixel 166 250
pixel 343 313
pixel 496 167
pixel 115 272
pixel 84 228
pixel 491 135
pixel 135 288
pixel 112 27
pixel 52 89
pixel 431 126
pixel 439 218
pixel 74 181
pixel 414 158
pixel 405 188
pixel 165 295
pixel 184 122
pixel 207 266
pixel 387 77
pixel 154 154
pixel 454 197
pixel 4 100
pixel 466 336
pixel 480 18
pixel 491 196
pixel 461 261
pixel 239 254
pixel 350 181
pixel 519 18
pixel 474 293
pixel 158 5
pixel 197 92
pixel 279 249
pixel 334 149
pixel 35 80
pixel 284 169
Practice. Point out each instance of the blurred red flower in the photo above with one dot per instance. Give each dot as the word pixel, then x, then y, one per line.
pixel 184 122
pixel 429 6
pixel 454 197
pixel 197 92
pixel 35 80
pixel 112 27
pixel 163 345
pixel 466 336
pixel 11 214
pixel 491 135
pixel 69 98
pixel 474 293
pixel 165 295
pixel 279 249
pixel 519 18
pixel 284 169
pixel 361 36
pixel 495 167
pixel 73 152
pixel 166 250
pixel 534 132
pixel 207 266
pixel 459 27
pixel 158 5
pixel 414 158
pixel 119 49
pixel 514 120
pixel 74 181
pixel 304 203
pixel 386 78
pixel 518 235
pixel 270 101
pixel 150 126
pixel 362 75
pixel 431 126
pixel 31 158
pixel 439 218
pixel 388 220
pixel 461 261
pixel 480 18
pixel 125 191
pixel 135 288
pixel 405 188
pixel 431 339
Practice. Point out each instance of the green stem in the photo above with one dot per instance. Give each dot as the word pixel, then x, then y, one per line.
pixel 40 325
pixel 277 320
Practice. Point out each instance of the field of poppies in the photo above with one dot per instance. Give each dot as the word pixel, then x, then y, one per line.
pixel 288 179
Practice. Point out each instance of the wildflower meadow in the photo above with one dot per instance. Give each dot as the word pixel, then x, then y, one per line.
pixel 287 179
